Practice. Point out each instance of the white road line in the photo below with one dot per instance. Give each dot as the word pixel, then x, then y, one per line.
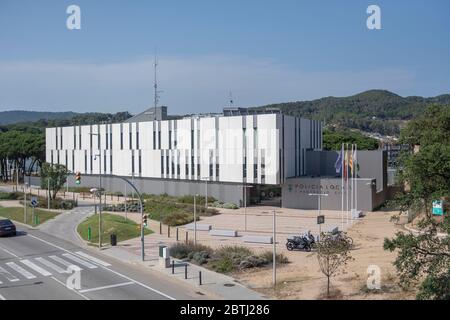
pixel 107 287
pixel 80 261
pixel 8 275
pixel 51 265
pixel 110 270
pixel 62 261
pixel 2 297
pixel 9 252
pixel 36 268
pixel 20 270
pixel 78 293
pixel 98 261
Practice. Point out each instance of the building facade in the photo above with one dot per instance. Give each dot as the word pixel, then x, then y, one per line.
pixel 178 156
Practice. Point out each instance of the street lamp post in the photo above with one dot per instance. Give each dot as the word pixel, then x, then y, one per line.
pixel 25 203
pixel 206 191
pixel 245 206
pixel 319 196
pixel 99 199
pixel 274 246
pixel 195 219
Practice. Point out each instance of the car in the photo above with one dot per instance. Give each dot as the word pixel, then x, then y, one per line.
pixel 7 228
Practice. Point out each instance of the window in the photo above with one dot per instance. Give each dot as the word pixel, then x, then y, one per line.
pixel 74 138
pixel 79 137
pixel 110 137
pixel 85 161
pixel 130 138
pixel 137 140
pixel 110 163
pixel 73 161
pixel 198 167
pixel 140 162
pixel 51 156
pixel 91 161
pixel 132 161
pixel 67 160
pixel 106 137
pixel 187 167
pixel 159 139
pixel 170 139
pixel 192 139
pixel 154 140
pixel 56 137
pixel 192 166
pixel 255 170
pixel 244 168
pixel 162 164
pixel 167 164
pixel 104 163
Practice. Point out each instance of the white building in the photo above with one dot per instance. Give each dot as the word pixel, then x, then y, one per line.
pixel 177 156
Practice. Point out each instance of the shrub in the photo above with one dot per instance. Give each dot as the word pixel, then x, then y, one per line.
pixel 11 195
pixel 281 258
pixel 177 219
pixel 230 206
pixel 182 250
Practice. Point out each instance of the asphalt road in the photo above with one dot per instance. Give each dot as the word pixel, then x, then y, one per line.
pixel 34 265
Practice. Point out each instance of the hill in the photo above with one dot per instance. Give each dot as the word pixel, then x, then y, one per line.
pixel 377 111
pixel 15 116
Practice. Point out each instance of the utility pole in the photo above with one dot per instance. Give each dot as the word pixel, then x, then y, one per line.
pixel 99 155
pixel 48 189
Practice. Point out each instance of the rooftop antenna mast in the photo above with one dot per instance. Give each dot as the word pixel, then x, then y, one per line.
pixel 231 99
pixel 155 85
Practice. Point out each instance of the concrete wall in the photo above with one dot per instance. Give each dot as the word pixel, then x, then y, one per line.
pixel 295 194
pixel 221 191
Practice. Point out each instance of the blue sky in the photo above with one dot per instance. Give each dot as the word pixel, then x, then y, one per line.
pixel 264 51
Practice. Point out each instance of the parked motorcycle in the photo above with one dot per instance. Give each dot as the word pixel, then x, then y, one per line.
pixel 304 242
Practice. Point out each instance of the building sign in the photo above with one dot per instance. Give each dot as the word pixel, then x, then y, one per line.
pixel 320 219
pixel 313 187
pixel 438 207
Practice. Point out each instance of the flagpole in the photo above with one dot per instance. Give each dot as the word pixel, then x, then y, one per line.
pixel 342 187
pixel 346 182
pixel 356 173
pixel 351 179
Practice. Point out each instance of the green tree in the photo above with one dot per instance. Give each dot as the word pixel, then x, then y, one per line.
pixel 53 175
pixel 424 259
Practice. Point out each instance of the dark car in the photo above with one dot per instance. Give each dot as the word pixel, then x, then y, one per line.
pixel 7 228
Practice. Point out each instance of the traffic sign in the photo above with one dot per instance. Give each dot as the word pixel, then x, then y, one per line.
pixel 320 219
pixel 438 207
pixel 34 202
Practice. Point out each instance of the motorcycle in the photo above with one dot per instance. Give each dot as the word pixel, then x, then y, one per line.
pixel 304 242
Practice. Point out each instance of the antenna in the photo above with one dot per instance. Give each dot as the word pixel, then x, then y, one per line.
pixel 231 99
pixel 155 84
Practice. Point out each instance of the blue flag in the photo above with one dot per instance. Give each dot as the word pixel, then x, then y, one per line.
pixel 338 164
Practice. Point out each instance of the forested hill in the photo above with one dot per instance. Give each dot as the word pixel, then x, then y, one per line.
pixel 15 116
pixel 373 111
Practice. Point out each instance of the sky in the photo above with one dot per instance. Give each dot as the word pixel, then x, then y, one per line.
pixel 263 51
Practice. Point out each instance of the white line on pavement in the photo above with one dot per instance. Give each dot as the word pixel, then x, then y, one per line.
pixel 93 259
pixel 62 261
pixel 51 265
pixel 78 293
pixel 36 268
pixel 115 272
pixel 2 297
pixel 80 261
pixel 9 252
pixel 8 275
pixel 20 270
pixel 107 287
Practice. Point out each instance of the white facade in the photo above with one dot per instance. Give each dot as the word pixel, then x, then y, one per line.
pixel 253 149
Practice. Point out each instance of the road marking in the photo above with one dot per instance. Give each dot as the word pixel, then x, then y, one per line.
pixel 110 270
pixel 62 261
pixel 36 268
pixel 107 287
pixel 98 261
pixel 51 265
pixel 8 275
pixel 2 297
pixel 80 261
pixel 9 252
pixel 20 270
pixel 78 293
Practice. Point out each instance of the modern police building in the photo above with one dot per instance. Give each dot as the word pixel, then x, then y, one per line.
pixel 226 154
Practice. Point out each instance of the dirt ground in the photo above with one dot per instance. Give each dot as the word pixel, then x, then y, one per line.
pixel 302 278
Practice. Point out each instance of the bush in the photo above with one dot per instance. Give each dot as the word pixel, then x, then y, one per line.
pixel 281 258
pixel 57 203
pixel 177 219
pixel 11 195
pixel 182 250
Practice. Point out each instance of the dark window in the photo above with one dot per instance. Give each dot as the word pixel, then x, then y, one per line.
pixel 167 164
pixel 85 161
pixel 104 163
pixel 92 162
pixel 106 138
pixel 140 163
pixel 110 138
pixel 137 140
pixel 162 164
pixel 132 162
pixel 67 160
pixel 255 170
pixel 159 140
pixel 56 136
pixel 170 139
pixel 192 166
pixel 73 160
pixel 244 167
pixel 51 156
pixel 121 140
pixel 154 140
pixel 130 136
pixel 110 163
pixel 192 139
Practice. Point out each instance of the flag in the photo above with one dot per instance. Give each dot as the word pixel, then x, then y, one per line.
pixel 350 162
pixel 345 164
pixel 338 164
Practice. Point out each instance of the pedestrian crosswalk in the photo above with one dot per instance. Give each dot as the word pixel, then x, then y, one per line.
pixel 31 268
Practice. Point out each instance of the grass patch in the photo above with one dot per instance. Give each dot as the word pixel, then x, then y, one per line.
pixel 17 214
pixel 124 229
